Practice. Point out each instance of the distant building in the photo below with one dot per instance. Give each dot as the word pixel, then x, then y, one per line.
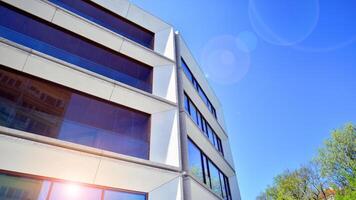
pixel 101 100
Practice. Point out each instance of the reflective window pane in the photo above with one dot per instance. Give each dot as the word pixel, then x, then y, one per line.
pixel 193 113
pixel 30 31
pixel 195 162
pixel 23 188
pixel 215 179
pixel 116 195
pixel 186 103
pixel 196 85
pixel 71 191
pixel 187 71
pixel 48 109
pixel 206 171
pixel 109 20
pixel 15 188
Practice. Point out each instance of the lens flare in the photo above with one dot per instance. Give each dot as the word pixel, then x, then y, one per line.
pixel 283 22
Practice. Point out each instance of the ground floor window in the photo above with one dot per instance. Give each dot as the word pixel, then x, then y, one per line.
pixel 15 187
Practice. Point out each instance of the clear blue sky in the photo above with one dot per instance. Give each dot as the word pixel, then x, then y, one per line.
pixel 285 72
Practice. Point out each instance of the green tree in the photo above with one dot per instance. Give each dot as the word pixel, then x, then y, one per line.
pixel 338 157
pixel 349 192
pixel 291 185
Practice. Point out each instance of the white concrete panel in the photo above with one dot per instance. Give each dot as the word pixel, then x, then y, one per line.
pixel 119 7
pixel 171 190
pixel 227 152
pixel 12 57
pixel 234 188
pixel 35 7
pixel 130 176
pixel 164 142
pixel 199 192
pixel 165 82
pixel 138 101
pixel 25 156
pixel 204 144
pixel 164 43
pixel 144 55
pixel 67 76
pixel 146 20
pixel 221 117
pixel 88 30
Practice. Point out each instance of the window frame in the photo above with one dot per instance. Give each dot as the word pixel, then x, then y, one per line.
pixel 221 175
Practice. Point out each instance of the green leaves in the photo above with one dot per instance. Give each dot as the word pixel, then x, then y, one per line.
pixel 338 157
pixel 332 171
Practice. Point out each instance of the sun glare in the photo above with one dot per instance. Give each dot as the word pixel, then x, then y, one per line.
pixel 72 190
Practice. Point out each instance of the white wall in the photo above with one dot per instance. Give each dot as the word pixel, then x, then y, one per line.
pixel 171 190
pixel 164 143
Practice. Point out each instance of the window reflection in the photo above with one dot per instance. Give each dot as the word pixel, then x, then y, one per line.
pixel 215 179
pixel 195 165
pixel 205 171
pixel 32 32
pixel 15 188
pixel 196 85
pixel 51 110
pixel 23 188
pixel 201 122
pixel 108 19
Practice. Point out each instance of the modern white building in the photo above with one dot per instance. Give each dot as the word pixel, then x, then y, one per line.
pixel 102 100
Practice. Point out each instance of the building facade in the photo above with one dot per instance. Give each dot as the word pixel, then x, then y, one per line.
pixel 102 100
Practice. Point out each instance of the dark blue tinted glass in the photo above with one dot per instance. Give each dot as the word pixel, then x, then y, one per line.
pixel 49 39
pixel 186 103
pixel 196 85
pixel 195 162
pixel 109 20
pixel 187 71
pixel 47 109
pixel 115 195
pixel 201 122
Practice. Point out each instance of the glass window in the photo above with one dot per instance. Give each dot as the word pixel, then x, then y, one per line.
pixel 198 120
pixel 227 188
pixel 14 187
pixel 203 96
pixel 186 103
pixel 202 168
pixel 203 125
pixel 195 161
pixel 116 195
pixel 196 85
pixel 30 31
pixel 109 20
pixel 78 118
pixel 193 112
pixel 71 191
pixel 215 179
pixel 220 145
pixel 206 171
pixel 187 71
